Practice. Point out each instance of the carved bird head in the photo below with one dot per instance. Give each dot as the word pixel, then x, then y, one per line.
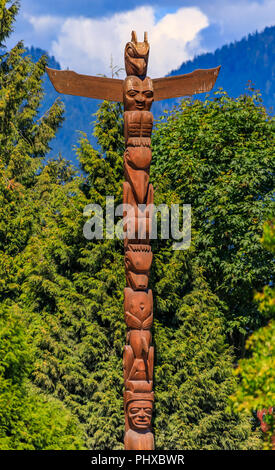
pixel 136 56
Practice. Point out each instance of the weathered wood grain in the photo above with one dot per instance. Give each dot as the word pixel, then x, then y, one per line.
pixel 72 83
pixel 111 89
pixel 199 81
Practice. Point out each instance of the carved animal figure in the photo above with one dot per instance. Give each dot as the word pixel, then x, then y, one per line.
pixel 136 56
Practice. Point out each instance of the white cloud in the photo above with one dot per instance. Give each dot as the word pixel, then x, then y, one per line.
pixel 171 37
pixel 86 45
pixel 44 23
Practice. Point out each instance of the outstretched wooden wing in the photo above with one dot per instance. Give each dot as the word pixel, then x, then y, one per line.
pixel 72 83
pixel 102 88
pixel 199 81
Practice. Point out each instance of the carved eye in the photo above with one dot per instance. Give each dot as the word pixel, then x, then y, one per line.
pixel 148 411
pixel 130 52
pixel 134 411
pixel 148 94
pixel 132 93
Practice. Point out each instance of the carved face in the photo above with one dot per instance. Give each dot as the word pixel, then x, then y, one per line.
pixel 138 260
pixel 140 414
pixel 137 94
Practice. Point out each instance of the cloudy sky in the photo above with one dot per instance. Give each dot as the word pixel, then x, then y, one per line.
pixel 84 35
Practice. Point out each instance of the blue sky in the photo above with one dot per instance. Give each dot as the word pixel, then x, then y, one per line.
pixel 84 35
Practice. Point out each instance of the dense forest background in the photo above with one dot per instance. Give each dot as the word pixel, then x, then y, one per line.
pixel 62 329
pixel 250 60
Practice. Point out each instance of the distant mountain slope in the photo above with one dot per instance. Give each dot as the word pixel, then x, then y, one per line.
pixel 252 59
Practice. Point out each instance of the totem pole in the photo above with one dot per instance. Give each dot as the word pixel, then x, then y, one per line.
pixel 138 356
pixel 137 92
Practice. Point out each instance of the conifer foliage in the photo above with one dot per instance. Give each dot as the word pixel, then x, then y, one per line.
pixel 74 289
pixel 28 419
pixel 62 325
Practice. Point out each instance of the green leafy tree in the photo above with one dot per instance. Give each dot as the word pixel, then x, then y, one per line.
pixel 29 420
pixel 217 156
pixel 256 390
pixel 193 372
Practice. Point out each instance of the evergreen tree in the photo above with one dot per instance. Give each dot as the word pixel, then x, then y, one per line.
pixel 73 289
pixel 28 419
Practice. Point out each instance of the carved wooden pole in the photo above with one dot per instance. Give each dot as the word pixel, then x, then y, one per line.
pixel 138 356
pixel 137 92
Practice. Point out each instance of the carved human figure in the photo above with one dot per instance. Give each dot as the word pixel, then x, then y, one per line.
pixel 140 341
pixel 138 357
pixel 139 180
pixel 130 200
pixel 138 128
pixel 140 414
pixel 138 417
pixel 136 169
pixel 136 56
pixel 137 94
pixel 138 371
